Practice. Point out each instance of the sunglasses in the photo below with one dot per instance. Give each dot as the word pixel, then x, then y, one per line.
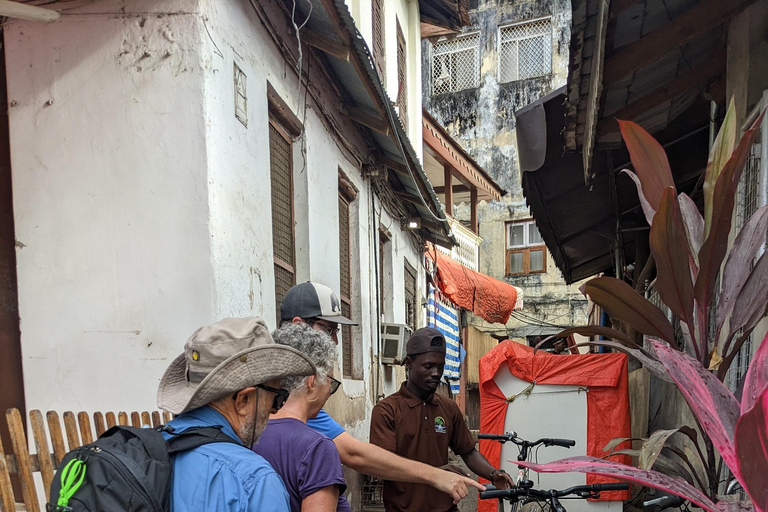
pixel 331 330
pixel 281 395
pixel 335 384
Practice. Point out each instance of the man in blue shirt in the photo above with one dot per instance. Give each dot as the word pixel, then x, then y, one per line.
pixel 318 306
pixel 228 376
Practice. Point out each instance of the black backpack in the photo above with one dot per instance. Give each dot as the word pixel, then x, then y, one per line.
pixel 127 469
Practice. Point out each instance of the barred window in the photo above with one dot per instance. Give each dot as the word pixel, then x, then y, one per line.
pixel 410 295
pixel 456 64
pixel 402 77
pixel 281 171
pixel 748 192
pixel 377 7
pixel 525 50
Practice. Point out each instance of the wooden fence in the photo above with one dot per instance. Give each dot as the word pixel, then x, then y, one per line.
pixel 78 430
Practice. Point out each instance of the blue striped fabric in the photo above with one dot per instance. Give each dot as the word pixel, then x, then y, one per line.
pixel 445 319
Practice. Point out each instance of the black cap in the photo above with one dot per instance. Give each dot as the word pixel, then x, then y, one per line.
pixel 426 339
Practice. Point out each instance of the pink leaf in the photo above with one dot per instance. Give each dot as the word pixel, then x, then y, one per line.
pixel 738 266
pixel 648 210
pixel 646 477
pixel 750 304
pixel 757 377
pixel 752 451
pixel 649 160
pixel 670 248
pixel 716 244
pixel 710 401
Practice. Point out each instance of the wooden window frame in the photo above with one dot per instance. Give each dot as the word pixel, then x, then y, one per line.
pixel 408 272
pixel 379 38
pixel 402 75
pixel 347 195
pixel 525 249
pixel 288 266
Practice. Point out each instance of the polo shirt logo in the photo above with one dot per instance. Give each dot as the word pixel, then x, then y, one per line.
pixel 440 425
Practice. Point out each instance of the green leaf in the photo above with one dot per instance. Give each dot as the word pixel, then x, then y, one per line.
pixel 649 160
pixel 651 449
pixel 623 303
pixel 718 156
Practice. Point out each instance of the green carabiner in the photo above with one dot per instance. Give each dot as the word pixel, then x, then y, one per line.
pixel 72 477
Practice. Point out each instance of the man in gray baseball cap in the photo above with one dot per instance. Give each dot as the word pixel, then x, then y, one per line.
pixel 229 376
pixel 317 305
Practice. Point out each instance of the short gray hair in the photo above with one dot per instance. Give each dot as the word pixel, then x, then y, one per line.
pixel 317 345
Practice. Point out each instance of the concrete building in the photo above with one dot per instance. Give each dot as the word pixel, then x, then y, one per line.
pixel 512 54
pixel 166 164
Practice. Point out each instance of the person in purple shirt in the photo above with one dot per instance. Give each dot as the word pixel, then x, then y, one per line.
pixel 307 460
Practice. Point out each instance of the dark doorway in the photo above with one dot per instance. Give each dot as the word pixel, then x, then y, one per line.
pixel 11 378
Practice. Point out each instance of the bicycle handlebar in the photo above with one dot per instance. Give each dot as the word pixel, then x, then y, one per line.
pixel 670 501
pixel 553 493
pixel 512 436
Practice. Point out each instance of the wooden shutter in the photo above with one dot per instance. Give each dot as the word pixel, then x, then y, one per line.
pixel 281 174
pixel 402 72
pixel 377 7
pixel 346 285
pixel 410 295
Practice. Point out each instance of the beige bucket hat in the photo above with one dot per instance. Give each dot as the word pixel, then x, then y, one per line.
pixel 225 357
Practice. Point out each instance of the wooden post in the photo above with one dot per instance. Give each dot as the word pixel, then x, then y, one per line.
pixel 473 210
pixel 57 439
pixel 23 462
pixel 44 460
pixel 448 173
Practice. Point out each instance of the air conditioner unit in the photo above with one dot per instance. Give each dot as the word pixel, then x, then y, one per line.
pixel 393 340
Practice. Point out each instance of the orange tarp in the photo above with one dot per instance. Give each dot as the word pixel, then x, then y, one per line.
pixel 605 375
pixel 488 298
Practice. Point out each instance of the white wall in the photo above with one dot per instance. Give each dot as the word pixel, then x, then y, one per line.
pixel 109 184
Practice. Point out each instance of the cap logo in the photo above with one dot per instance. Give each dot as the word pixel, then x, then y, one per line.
pixel 335 304
pixel 195 355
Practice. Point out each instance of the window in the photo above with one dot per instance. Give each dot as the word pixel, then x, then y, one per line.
pixel 410 295
pixel 526 253
pixel 377 7
pixel 385 271
pixel 351 355
pixel 402 78
pixel 281 171
pixel 525 50
pixel 456 64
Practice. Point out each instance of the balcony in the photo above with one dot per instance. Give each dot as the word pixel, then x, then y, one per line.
pixel 467 248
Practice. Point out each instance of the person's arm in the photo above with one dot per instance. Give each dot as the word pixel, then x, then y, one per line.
pixel 373 460
pixel 322 500
pixel 481 467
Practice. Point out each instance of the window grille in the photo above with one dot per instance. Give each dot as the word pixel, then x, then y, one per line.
pixel 402 78
pixel 740 365
pixel 281 169
pixel 410 296
pixel 377 8
pixel 346 285
pixel 526 252
pixel 456 64
pixel 748 193
pixel 525 50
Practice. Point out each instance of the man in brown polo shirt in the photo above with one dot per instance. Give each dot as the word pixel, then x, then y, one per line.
pixel 418 424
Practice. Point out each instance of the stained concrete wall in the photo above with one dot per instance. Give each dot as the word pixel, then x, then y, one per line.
pixel 483 121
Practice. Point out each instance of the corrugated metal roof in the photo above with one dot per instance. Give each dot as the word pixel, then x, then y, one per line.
pixel 360 83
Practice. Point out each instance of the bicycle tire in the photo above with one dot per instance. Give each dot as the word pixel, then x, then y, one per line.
pixel 534 505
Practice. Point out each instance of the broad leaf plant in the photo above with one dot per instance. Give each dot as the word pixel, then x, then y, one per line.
pixel 690 250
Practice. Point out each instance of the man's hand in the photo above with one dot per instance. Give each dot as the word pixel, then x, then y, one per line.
pixel 454 484
pixel 502 480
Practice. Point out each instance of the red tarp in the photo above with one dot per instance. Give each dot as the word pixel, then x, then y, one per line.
pixel 605 375
pixel 488 298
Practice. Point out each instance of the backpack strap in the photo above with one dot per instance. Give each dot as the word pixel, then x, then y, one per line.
pixel 197 436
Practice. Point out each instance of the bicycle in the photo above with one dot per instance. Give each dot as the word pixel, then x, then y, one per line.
pixel 525 448
pixel 550 497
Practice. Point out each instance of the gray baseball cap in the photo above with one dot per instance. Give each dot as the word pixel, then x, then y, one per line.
pixel 313 300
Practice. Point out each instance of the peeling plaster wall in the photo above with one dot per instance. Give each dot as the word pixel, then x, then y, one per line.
pixel 483 121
